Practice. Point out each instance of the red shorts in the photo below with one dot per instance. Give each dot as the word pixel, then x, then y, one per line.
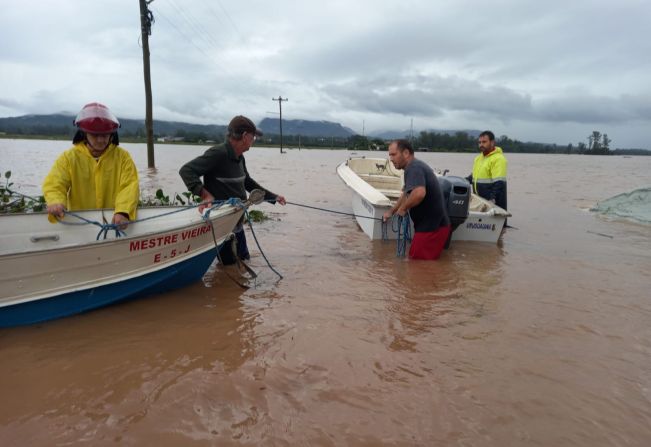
pixel 429 245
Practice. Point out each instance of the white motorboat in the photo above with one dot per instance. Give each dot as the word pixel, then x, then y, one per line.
pixel 54 270
pixel 377 184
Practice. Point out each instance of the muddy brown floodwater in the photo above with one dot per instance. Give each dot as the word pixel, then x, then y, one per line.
pixel 541 340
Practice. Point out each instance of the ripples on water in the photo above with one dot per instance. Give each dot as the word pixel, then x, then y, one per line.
pixel 542 339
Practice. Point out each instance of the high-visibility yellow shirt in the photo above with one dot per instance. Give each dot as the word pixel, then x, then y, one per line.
pixel 80 181
pixel 489 176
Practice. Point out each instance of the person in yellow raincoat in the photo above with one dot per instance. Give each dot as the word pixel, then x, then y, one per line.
pixel 488 176
pixel 95 172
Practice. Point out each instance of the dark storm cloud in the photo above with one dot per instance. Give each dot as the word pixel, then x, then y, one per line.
pixel 429 96
pixel 434 96
pixel 520 64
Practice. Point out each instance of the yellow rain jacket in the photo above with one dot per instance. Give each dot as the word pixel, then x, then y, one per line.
pixel 81 182
pixel 489 176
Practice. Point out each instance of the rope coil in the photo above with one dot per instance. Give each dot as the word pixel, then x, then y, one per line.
pixel 401 225
pixel 106 227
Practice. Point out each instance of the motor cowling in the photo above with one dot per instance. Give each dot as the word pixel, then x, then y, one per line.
pixel 456 196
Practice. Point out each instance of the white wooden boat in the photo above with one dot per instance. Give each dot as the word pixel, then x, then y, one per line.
pixel 54 270
pixel 377 184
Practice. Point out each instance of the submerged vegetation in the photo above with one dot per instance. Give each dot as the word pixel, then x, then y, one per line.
pixel 14 202
pixel 257 216
pixel 162 199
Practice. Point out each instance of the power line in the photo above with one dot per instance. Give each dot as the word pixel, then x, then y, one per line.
pixel 229 19
pixel 197 29
pixel 183 34
pixel 223 66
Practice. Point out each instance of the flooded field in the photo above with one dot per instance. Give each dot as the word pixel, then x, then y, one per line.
pixel 541 340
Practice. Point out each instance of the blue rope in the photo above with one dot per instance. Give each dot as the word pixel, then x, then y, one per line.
pixel 403 229
pixel 237 202
pixel 215 204
pixel 260 248
pixel 106 227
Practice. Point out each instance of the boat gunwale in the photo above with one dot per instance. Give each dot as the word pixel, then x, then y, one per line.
pixel 223 212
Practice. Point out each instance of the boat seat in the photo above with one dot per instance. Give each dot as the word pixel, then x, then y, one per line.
pixel 380 177
pixel 390 193
pixel 382 182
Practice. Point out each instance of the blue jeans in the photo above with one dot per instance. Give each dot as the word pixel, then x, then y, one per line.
pixel 226 252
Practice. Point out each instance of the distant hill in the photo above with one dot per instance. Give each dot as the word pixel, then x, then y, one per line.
pixel 305 128
pixel 60 124
pixel 56 124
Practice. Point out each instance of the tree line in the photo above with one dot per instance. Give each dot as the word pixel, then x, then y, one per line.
pixel 596 143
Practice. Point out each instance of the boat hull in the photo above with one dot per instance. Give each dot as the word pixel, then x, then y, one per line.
pixel 64 270
pixel 66 304
pixel 478 227
pixel 370 203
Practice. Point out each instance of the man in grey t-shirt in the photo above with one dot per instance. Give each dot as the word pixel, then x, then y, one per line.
pixel 422 198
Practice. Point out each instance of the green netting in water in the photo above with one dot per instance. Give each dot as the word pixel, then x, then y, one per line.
pixel 634 205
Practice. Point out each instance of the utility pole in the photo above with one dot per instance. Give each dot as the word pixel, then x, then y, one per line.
pixel 146 20
pixel 280 100
pixel 411 132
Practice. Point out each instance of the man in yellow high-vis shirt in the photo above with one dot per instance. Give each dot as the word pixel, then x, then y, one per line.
pixel 489 171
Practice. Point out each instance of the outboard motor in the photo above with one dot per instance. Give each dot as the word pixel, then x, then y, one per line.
pixel 456 196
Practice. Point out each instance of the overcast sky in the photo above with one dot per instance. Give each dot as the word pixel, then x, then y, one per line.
pixel 547 71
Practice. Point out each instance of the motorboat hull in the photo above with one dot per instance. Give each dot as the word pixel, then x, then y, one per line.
pixel 484 222
pixel 49 271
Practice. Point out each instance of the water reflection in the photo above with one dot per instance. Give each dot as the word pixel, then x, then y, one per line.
pixel 426 296
pixel 151 353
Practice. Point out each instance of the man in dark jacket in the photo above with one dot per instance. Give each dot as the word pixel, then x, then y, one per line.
pixel 224 173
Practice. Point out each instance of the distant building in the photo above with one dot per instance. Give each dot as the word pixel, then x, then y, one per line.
pixel 170 139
